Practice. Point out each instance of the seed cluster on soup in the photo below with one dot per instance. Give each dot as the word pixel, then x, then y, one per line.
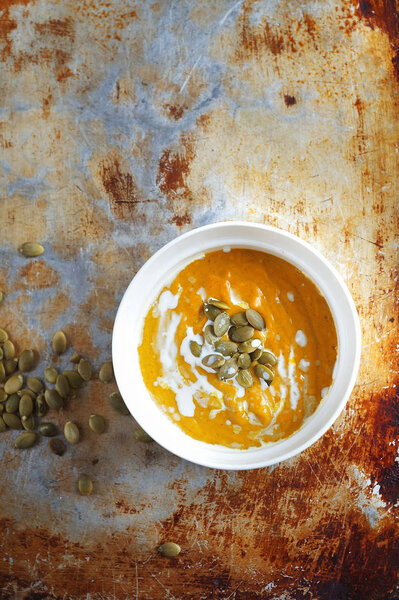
pixel 239 349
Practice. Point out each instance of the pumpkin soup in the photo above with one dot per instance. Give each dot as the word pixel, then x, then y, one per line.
pixel 239 349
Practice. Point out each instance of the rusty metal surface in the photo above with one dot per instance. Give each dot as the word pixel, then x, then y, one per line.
pixel 122 125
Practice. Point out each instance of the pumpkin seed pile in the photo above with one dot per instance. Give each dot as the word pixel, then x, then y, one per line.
pixel 237 352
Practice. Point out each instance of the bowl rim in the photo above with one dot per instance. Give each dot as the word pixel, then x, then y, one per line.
pixel 223 460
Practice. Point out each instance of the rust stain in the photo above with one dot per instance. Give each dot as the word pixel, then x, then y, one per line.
pixel 175 112
pixel 181 220
pixel 174 168
pixel 289 100
pixel 58 27
pixel 120 187
pixel 37 275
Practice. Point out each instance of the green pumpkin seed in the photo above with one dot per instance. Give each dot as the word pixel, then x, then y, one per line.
pixel 47 429
pixel 229 369
pixel 27 360
pixel 41 406
pixel 12 420
pixel 106 373
pixel 12 403
pixel 13 384
pixel 53 399
pixel 71 432
pixel 75 358
pixel 51 374
pixel 1 297
pixel 25 406
pixel 239 319
pixel 244 361
pixel 221 324
pixel 256 354
pixel 31 249
pixel 85 485
pixel 218 303
pixel 62 386
pixel 142 436
pixel 25 440
pixel 2 408
pixel 28 423
pixel 3 336
pixel 267 358
pixel 3 395
pixel 74 379
pixel 3 426
pixel 244 378
pixel 11 365
pixel 97 423
pixel 211 311
pixel 118 403
pixel 255 319
pixel 213 361
pixel 242 334
pixel 26 391
pixel 264 373
pixel 59 342
pixel 249 346
pixel 169 549
pixel 84 369
pixel 232 331
pixel 1 353
pixel 209 334
pixel 8 350
pixel 226 348
pixel 195 348
pixel 2 372
pixel 34 384
pixel 57 446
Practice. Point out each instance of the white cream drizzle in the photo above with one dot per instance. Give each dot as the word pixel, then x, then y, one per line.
pixel 300 338
pixel 290 296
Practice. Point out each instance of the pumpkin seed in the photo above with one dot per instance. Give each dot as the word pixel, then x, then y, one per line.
pixel 51 374
pixel 25 406
pixel 12 420
pixel 85 485
pixel 47 429
pixel 118 403
pixel 3 426
pixel 62 386
pixel 97 423
pixel 244 361
pixel 25 440
pixel 209 335
pixel 232 331
pixel 1 353
pixel 244 378
pixel 31 249
pixel 169 549
pixel 28 423
pixel 218 303
pixel 12 403
pixel 256 354
pixel 242 334
pixel 3 395
pixel 106 373
pixel 53 399
pixel 195 348
pixel 264 373
pixel 3 336
pixel 2 372
pixel 11 365
pixel 26 391
pixel 250 345
pixel 59 342
pixel 27 360
pixel 267 358
pixel 75 358
pixel 13 384
pixel 239 319
pixel 255 319
pixel 84 369
pixel 221 324
pixel 34 384
pixel 211 311
pixel 142 436
pixel 74 379
pixel 1 297
pixel 213 361
pixel 41 406
pixel 57 446
pixel 229 369
pixel 226 347
pixel 71 432
pixel 8 349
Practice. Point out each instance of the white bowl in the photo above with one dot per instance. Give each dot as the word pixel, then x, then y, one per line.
pixel 160 269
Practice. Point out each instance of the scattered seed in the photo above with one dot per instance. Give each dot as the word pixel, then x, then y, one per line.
pixel 250 345
pixel 226 348
pixel 211 311
pixel 57 446
pixel 13 384
pixel 12 420
pixel 264 373
pixel 232 331
pixel 229 369
pixel 74 379
pixel 118 403
pixel 1 353
pixel 267 358
pixel 97 423
pixel 2 372
pixel 195 348
pixel 8 350
pixel 41 406
pixel 209 335
pixel 239 319
pixel 31 249
pixel 25 406
pixel 255 319
pixel 47 429
pixel 71 432
pixel 3 395
pixel 27 360
pixel 221 324
pixel 62 386
pixel 142 436
pixel 244 378
pixel 213 361
pixel 169 549
pixel 256 354
pixel 28 423
pixel 53 399
pixel 51 374
pixel 59 343
pixel 84 369
pixel 34 384
pixel 11 365
pixel 26 391
pixel 3 426
pixel 218 303
pixel 242 334
pixel 3 336
pixel 25 440
pixel 244 361
pixel 12 403
pixel 106 373
pixel 1 297
pixel 85 485
pixel 75 358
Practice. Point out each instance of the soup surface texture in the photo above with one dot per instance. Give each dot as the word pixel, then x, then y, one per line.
pixel 299 331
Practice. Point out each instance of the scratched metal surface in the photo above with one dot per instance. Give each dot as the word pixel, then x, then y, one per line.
pixel 122 125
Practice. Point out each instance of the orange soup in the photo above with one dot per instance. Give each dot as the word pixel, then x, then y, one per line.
pixel 259 306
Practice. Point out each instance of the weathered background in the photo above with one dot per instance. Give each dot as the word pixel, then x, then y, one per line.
pixel 122 125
